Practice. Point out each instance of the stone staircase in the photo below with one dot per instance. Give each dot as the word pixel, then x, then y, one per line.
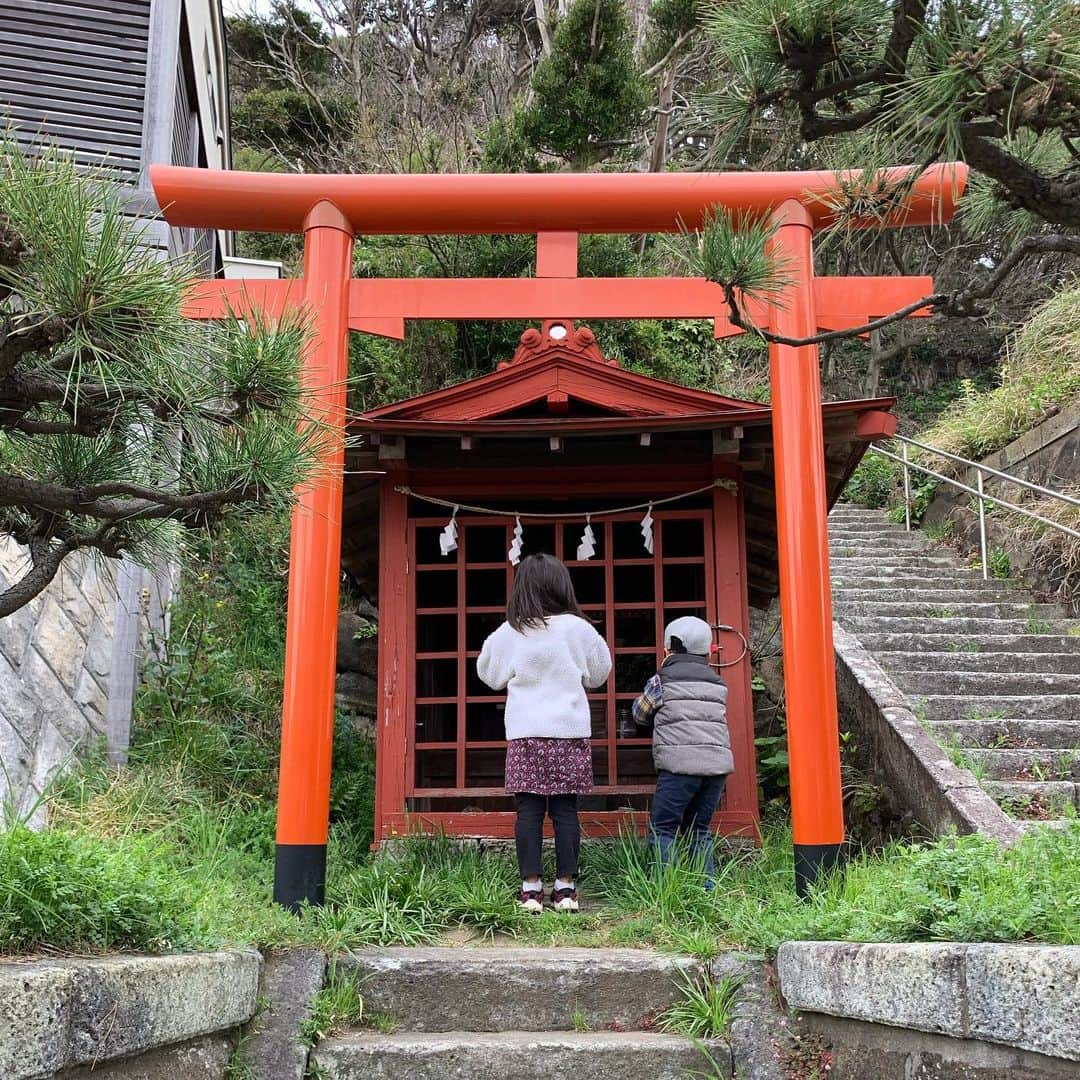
pixel 993 675
pixel 530 1014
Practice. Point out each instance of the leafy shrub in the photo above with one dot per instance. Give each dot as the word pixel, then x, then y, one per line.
pixel 72 891
pixel 873 482
pixel 1041 371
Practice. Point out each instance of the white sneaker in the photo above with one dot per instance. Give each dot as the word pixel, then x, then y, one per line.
pixel 531 900
pixel 564 899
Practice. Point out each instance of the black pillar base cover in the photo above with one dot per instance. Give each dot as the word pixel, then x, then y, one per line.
pixel 299 875
pixel 812 861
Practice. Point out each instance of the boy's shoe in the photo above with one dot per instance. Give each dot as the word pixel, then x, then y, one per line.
pixel 564 899
pixel 531 900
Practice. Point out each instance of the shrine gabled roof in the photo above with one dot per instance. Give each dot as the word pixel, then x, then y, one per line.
pixel 560 371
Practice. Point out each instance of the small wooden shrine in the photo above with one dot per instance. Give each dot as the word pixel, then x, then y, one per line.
pixel 677 489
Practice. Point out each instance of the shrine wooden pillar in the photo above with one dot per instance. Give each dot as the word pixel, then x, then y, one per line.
pixel 817 815
pixel 307 727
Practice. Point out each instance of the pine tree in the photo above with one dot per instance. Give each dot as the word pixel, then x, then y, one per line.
pixel 123 423
pixel 588 94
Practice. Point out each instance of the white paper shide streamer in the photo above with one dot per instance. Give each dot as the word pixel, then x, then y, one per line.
pixel 448 537
pixel 587 548
pixel 646 530
pixel 514 554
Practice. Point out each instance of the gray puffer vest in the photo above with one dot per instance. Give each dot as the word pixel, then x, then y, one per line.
pixel 690 732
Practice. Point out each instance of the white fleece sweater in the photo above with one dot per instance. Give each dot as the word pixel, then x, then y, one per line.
pixel 545 671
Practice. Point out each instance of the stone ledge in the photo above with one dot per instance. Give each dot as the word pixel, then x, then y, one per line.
pixel 1022 996
pixel 59 1014
pixel 894 746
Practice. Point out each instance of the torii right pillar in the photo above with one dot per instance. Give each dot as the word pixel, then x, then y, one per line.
pixel 817 813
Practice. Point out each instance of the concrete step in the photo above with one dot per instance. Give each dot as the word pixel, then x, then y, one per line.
pixel 957 627
pixel 1052 798
pixel 882 642
pixel 935 598
pixel 1009 734
pixel 447 989
pixel 909 562
pixel 979 684
pixel 874 531
pixel 929 581
pixel 1024 765
pixel 899 664
pixel 904 608
pixel 992 706
pixel 569 1055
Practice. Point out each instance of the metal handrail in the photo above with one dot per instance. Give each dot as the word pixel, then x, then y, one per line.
pixel 978 491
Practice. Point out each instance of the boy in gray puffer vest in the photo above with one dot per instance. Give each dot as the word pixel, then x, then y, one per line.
pixel 685 704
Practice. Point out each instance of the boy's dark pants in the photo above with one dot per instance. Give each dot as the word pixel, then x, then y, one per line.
pixel 529 834
pixel 684 805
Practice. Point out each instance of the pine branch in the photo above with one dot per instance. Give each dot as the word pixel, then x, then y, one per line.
pixel 962 304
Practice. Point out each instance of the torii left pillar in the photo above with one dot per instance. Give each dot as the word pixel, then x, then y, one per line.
pixel 307 728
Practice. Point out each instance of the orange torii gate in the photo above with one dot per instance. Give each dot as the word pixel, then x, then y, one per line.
pixel 331 210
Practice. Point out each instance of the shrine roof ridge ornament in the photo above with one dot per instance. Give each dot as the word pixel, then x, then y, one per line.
pixel 494 203
pixel 558 335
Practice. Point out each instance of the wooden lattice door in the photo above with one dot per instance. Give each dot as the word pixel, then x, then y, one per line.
pixel 456 740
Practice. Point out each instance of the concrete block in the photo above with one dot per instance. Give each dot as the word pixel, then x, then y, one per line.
pixel 516 989
pixel 919 985
pixel 586 1055
pixel 54 699
pixel 58 640
pixel 759 1031
pixel 1026 996
pixel 271 1047
pixel 35 1019
pixel 200 1059
pixel 66 1013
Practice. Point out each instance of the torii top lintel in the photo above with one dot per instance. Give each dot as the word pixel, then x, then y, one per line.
pixel 400 204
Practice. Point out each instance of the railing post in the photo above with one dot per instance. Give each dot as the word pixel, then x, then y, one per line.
pixel 907 487
pixel 817 812
pixel 307 723
pixel 982 524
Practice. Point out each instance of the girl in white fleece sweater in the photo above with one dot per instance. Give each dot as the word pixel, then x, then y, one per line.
pixel 544 656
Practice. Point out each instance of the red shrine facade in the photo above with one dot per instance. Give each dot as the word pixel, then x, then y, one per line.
pixel 557 438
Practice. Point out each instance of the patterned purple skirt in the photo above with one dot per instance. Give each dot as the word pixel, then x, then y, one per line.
pixel 549 766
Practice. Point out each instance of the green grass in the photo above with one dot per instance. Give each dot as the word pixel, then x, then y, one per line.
pixel 705 1008
pixel 337 1006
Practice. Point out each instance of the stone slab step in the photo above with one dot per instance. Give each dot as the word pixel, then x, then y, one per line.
pixel 958 626
pixel 990 706
pixel 522 989
pixel 899 664
pixel 979 684
pixel 518 1055
pixel 947 580
pixel 869 544
pixel 923 597
pixel 862 563
pixel 1055 797
pixel 970 609
pixel 1025 765
pixel 882 643
pixel 1008 734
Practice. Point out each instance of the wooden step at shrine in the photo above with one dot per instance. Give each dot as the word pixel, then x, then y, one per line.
pixel 990 672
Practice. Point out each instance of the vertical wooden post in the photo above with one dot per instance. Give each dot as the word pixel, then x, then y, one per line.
pixel 396 654
pixel 307 728
pixel 802 532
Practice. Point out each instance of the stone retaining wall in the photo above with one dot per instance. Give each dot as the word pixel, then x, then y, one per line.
pixel 989 1010
pixel 895 750
pixel 1048 454
pixel 125 1016
pixel 55 664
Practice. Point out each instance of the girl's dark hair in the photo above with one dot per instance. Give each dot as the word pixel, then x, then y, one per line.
pixel 542 587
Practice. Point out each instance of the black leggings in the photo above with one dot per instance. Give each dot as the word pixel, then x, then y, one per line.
pixel 529 834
